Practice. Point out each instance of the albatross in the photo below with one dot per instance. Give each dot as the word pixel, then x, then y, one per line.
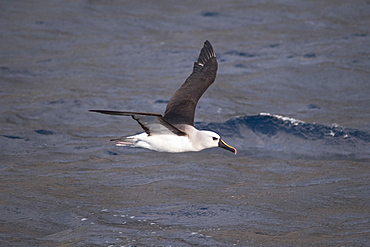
pixel 174 132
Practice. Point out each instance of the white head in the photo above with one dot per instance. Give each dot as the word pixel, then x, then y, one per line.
pixel 208 139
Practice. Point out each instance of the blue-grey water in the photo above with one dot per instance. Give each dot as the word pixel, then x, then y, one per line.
pixel 291 94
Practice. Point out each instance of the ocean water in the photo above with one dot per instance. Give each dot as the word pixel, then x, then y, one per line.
pixel 291 94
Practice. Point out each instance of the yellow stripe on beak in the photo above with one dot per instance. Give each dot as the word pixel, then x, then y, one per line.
pixel 226 146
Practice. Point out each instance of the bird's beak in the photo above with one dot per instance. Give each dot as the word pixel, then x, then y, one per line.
pixel 226 146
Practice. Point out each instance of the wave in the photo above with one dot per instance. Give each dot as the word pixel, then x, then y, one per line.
pixel 273 135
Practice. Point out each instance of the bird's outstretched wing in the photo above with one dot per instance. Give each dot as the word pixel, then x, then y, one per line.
pixel 181 107
pixel 152 123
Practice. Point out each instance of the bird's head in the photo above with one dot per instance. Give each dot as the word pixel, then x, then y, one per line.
pixel 209 139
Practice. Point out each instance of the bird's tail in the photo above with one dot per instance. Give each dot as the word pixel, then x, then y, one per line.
pixel 125 141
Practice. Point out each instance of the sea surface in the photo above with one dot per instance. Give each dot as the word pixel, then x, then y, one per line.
pixel 292 94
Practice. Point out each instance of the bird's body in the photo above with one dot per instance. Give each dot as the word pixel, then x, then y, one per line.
pixel 163 143
pixel 175 131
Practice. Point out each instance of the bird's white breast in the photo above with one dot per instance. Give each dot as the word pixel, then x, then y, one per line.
pixel 164 143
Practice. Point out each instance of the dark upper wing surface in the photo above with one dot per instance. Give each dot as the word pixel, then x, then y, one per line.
pixel 181 107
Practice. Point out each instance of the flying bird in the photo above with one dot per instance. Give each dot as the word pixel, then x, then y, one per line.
pixel 174 132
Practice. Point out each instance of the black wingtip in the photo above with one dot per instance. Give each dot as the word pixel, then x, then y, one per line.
pixel 108 112
pixel 127 113
pixel 100 111
pixel 206 53
pixel 208 44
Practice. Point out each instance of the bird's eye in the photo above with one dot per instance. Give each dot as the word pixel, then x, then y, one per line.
pixel 215 138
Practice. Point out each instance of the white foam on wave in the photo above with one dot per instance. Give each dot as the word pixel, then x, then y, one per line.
pixel 292 120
